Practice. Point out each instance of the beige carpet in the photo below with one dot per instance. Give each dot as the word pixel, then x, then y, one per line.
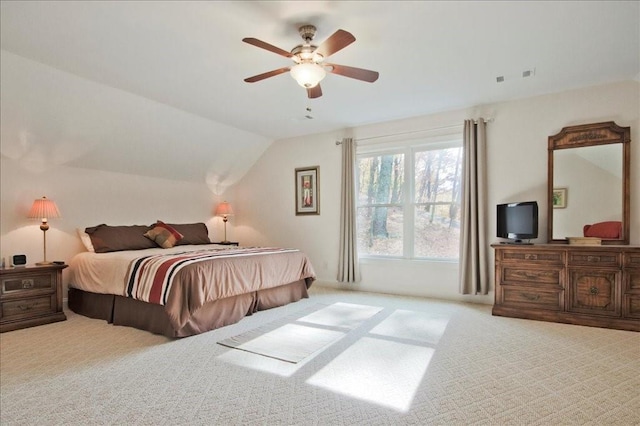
pixel 416 362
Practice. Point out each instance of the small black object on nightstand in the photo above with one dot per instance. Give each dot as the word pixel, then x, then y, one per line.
pixel 19 260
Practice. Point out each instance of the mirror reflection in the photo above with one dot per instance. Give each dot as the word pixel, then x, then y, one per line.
pixel 592 179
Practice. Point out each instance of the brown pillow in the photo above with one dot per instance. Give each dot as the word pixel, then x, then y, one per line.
pixel 107 238
pixel 192 233
pixel 164 235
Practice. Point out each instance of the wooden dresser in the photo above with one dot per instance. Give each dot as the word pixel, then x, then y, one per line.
pixel 596 286
pixel 30 296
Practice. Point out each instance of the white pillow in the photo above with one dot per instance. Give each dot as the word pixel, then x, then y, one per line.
pixel 86 240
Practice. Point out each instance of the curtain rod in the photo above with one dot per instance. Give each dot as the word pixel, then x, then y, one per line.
pixel 488 120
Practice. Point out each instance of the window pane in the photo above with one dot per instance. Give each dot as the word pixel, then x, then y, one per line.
pixel 437 175
pixel 380 230
pixel 384 200
pixel 380 179
pixel 437 231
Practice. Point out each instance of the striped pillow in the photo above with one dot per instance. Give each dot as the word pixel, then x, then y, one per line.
pixel 163 235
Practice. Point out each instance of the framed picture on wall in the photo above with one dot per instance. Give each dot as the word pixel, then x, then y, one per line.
pixel 308 190
pixel 559 198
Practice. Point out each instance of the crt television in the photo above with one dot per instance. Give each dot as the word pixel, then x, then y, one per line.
pixel 518 221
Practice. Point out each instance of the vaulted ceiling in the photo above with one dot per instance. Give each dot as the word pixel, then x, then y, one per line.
pixel 186 61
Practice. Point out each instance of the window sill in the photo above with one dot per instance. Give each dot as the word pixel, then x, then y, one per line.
pixel 416 261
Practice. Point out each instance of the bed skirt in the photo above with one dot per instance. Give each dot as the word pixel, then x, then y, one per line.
pixel 120 310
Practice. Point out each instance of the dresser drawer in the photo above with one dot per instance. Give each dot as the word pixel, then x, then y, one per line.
pixel 632 260
pixel 632 278
pixel 631 307
pixel 517 274
pixel 595 258
pixel 533 257
pixel 28 307
pixel 527 297
pixel 25 283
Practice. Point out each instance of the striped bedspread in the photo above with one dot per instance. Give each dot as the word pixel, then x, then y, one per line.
pixel 150 278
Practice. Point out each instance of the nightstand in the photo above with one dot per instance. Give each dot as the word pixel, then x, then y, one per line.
pixel 30 296
pixel 227 243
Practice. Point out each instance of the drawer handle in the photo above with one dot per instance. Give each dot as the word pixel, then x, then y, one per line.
pixel 530 296
pixel 593 258
pixel 593 290
pixel 530 256
pixel 26 307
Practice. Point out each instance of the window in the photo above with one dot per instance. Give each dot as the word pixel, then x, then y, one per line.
pixel 409 200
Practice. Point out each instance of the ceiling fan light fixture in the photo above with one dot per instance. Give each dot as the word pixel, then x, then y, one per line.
pixel 308 67
pixel 308 75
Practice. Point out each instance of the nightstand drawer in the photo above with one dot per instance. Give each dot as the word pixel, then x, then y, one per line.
pixel 28 307
pixel 27 282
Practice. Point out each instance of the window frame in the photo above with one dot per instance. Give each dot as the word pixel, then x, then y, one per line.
pixel 408 203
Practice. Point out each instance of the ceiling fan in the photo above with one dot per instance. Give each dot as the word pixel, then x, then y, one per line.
pixel 309 67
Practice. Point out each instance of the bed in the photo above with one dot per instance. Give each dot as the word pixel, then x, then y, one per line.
pixel 180 290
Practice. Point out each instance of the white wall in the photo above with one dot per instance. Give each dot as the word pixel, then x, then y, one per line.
pixel 517 156
pixel 50 117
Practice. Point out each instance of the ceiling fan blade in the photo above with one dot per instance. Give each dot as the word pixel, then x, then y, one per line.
pixel 266 75
pixel 337 41
pixel 263 45
pixel 357 73
pixel 314 92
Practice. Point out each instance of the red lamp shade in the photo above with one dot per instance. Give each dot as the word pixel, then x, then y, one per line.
pixel 44 209
pixel 224 209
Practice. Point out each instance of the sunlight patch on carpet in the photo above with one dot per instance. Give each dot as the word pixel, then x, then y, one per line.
pixel 262 363
pixel 295 338
pixel 375 370
pixel 419 326
pixel 347 315
pixel 291 342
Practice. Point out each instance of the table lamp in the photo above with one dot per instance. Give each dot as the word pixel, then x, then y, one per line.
pixel 44 209
pixel 224 209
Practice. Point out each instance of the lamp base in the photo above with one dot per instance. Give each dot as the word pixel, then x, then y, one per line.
pixel 44 262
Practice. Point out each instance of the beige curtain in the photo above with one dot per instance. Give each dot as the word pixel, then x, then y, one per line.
pixel 348 267
pixel 474 277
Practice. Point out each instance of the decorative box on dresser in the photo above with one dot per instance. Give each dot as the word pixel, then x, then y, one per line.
pixel 588 285
pixel 30 296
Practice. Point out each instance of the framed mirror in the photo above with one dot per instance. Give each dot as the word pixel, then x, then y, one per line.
pixel 588 184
